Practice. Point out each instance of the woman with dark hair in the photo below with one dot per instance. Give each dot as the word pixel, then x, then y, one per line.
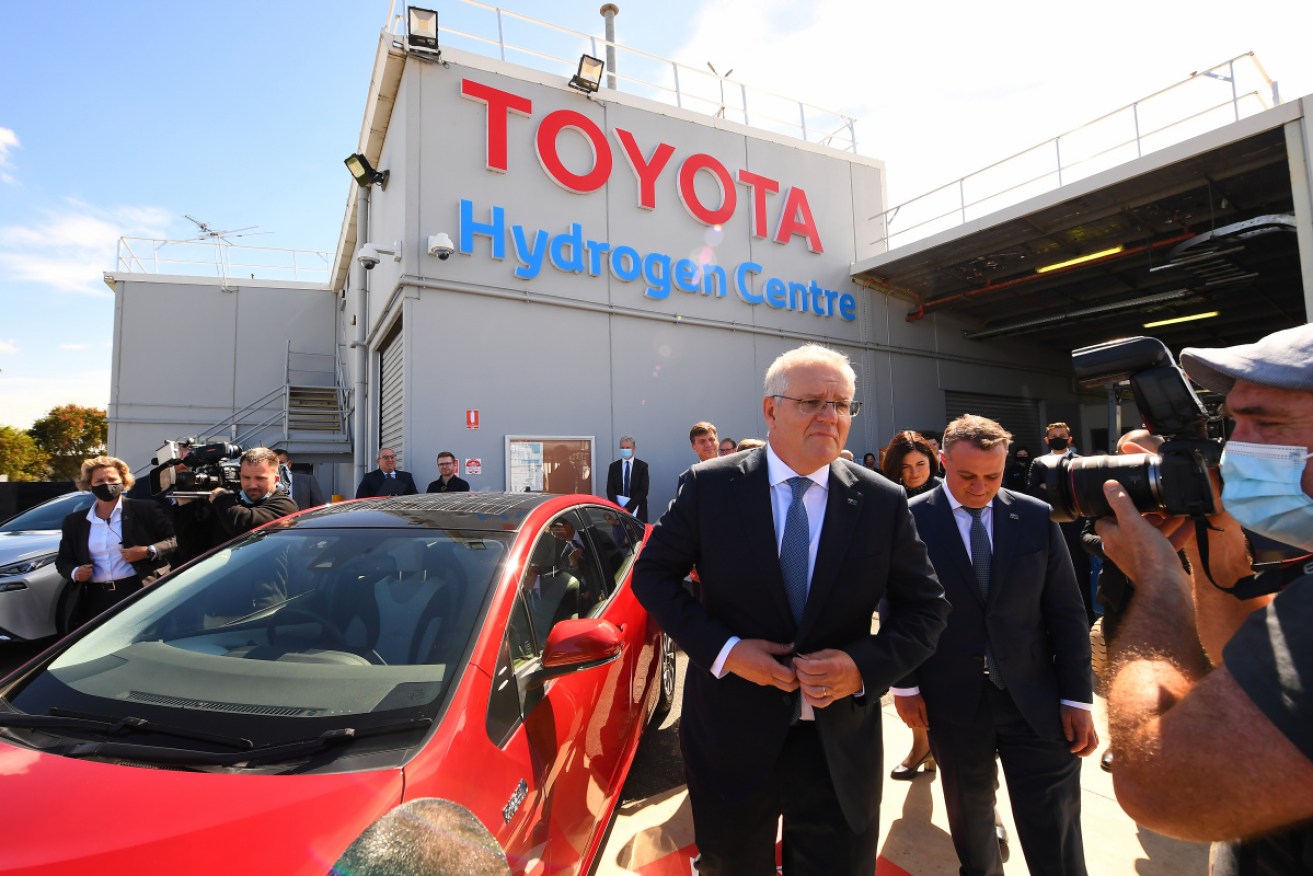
pixel 911 461
pixel 117 546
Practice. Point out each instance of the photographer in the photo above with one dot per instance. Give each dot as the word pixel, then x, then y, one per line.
pixel 1211 699
pixel 202 524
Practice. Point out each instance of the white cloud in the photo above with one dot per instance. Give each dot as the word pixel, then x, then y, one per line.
pixel 8 347
pixel 68 248
pixel 8 141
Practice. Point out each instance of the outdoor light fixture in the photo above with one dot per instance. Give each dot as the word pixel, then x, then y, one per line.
pixel 422 29
pixel 589 77
pixel 1080 260
pixel 364 172
pixel 1191 318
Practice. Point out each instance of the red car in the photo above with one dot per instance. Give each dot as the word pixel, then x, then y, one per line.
pixel 259 709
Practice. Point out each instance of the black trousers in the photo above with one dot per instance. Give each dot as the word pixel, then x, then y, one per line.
pixel 95 598
pixel 1043 779
pixel 738 839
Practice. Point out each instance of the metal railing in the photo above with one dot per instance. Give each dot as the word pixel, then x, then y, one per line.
pixel 1185 109
pixel 557 49
pixel 227 261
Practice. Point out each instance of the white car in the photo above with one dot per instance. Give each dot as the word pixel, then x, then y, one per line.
pixel 30 586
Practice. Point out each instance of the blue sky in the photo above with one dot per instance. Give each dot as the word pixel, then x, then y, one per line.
pixel 119 118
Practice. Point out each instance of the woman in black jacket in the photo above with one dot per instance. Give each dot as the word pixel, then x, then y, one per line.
pixel 117 546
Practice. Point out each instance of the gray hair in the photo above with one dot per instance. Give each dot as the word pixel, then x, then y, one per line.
pixel 777 375
pixel 629 438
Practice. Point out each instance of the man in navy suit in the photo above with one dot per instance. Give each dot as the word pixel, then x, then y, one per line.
pixel 794 549
pixel 387 479
pixel 1012 671
pixel 627 479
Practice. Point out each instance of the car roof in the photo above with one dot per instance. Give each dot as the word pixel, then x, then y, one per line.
pixel 494 512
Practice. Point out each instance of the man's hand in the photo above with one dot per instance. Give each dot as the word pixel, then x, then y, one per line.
pixel 134 554
pixel 1078 728
pixel 755 660
pixel 1130 540
pixel 827 675
pixel 216 493
pixel 912 710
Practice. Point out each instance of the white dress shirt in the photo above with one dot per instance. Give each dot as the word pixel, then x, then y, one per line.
pixel 104 541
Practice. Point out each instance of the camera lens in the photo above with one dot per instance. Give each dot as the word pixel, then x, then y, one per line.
pixel 1074 487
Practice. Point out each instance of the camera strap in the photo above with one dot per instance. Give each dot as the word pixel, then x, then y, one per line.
pixel 1271 577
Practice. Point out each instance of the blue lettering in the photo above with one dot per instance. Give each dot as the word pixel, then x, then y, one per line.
pixel 596 249
pixel 797 296
pixel 741 282
pixel 535 252
pixel 494 230
pixel 625 274
pixel 574 263
pixel 656 270
pixel 776 293
pixel 686 276
pixel 848 307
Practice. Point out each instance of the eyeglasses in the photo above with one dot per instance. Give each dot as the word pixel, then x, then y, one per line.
pixel 812 406
pixel 447 462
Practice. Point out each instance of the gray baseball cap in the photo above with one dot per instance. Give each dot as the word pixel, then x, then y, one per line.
pixel 1283 359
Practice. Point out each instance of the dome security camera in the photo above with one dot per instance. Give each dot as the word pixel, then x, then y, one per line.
pixel 440 245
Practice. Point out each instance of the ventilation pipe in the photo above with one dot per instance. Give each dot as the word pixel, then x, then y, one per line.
pixel 609 13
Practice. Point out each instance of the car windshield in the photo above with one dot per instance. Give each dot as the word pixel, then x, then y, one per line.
pixel 48 515
pixel 287 634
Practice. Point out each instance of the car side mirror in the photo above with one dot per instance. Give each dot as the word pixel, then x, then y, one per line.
pixel 578 644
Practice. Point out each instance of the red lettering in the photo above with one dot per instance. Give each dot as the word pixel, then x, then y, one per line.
pixel 760 187
pixel 551 127
pixel 688 192
pixel 646 172
pixel 796 218
pixel 500 104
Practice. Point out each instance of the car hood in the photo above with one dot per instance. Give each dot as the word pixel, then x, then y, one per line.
pixel 65 816
pixel 21 544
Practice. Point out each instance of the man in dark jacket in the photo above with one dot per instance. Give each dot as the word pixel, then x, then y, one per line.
pixel 202 524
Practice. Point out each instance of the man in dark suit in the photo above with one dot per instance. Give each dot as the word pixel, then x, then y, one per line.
pixel 1012 672
pixel 794 548
pixel 448 481
pixel 387 479
pixel 305 489
pixel 627 479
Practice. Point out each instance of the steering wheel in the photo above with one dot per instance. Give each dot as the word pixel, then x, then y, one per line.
pixel 337 639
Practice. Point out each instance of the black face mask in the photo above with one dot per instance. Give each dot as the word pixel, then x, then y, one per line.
pixel 107 492
pixel 1023 459
pixel 1059 443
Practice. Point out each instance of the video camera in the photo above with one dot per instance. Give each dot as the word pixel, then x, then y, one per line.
pixel 205 467
pixel 1174 481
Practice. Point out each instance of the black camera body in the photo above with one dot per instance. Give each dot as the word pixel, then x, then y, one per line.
pixel 1175 481
pixel 206 467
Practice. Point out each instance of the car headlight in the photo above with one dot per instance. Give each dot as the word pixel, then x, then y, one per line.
pixel 31 564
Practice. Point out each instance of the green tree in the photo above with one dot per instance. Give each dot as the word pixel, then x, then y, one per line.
pixel 69 434
pixel 20 458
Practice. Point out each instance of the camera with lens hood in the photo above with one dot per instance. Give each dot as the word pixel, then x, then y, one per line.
pixel 1174 481
pixel 192 471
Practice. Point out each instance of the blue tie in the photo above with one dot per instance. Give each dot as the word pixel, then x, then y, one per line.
pixel 982 556
pixel 794 548
pixel 625 491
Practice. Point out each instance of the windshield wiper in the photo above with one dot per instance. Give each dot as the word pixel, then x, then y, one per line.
pixel 267 753
pixel 62 719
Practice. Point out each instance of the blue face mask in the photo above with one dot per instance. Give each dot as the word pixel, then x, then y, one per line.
pixel 1262 491
pixel 626 452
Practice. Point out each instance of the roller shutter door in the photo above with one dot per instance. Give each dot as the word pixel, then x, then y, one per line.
pixel 391 396
pixel 1019 416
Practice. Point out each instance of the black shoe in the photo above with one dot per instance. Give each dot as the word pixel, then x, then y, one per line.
pixel 905 773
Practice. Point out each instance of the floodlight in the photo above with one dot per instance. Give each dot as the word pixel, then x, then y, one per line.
pixel 422 28
pixel 364 172
pixel 589 77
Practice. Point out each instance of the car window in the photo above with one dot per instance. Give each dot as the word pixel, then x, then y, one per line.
pixel 288 625
pixel 48 515
pixel 613 542
pixel 549 589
